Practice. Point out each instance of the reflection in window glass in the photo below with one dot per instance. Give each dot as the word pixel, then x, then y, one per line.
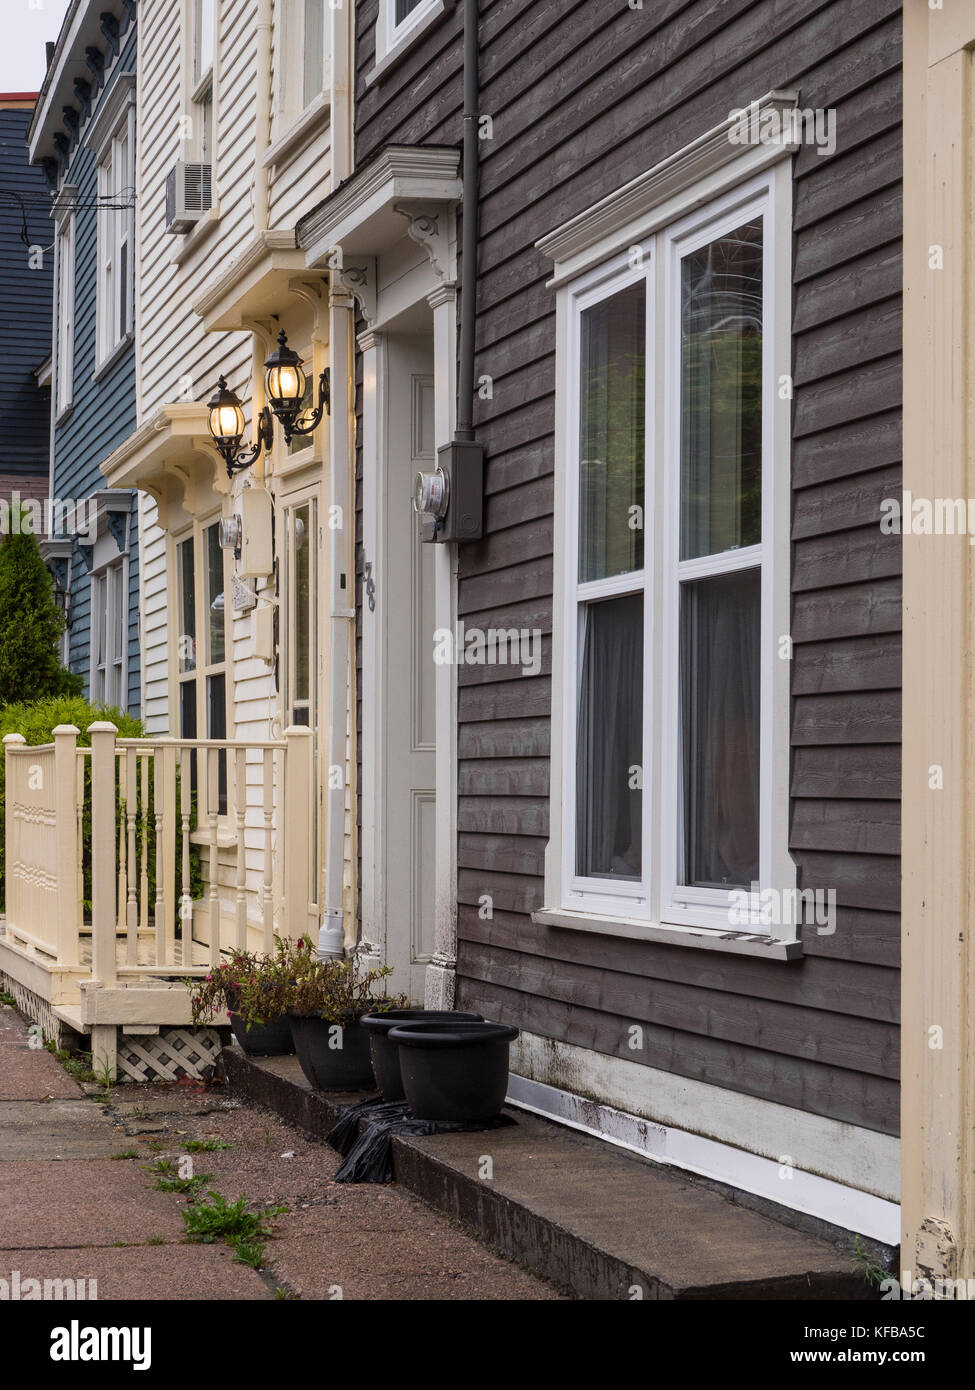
pixel 721 394
pixel 611 437
pixel 720 698
pixel 186 639
pixel 216 621
pixel 610 740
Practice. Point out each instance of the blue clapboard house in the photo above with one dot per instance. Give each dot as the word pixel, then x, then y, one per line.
pixel 83 135
pixel 25 306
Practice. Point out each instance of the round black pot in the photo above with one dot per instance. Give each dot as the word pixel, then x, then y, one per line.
pixel 332 1058
pixel 385 1054
pixel 454 1071
pixel 263 1039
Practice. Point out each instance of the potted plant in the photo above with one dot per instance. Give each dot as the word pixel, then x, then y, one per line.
pixel 327 1001
pixel 245 986
pixel 454 1070
pixel 385 1054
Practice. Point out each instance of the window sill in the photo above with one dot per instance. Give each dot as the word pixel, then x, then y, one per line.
pixel 737 943
pixel 406 41
pixel 107 363
pixel 64 414
pixel 300 132
pixel 203 229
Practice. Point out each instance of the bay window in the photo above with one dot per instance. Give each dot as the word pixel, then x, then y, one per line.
pixel 671 776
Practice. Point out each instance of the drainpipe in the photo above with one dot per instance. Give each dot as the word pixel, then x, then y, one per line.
pixel 260 197
pixel 331 936
pixel 464 430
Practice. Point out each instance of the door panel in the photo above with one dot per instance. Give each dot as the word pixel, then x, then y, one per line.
pixel 410 727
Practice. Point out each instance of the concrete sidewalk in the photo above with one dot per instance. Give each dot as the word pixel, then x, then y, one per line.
pixel 594 1219
pixel 72 1208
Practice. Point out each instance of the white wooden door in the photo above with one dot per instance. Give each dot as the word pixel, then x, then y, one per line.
pixel 409 803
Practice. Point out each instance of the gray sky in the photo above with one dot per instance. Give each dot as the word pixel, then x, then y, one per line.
pixel 25 26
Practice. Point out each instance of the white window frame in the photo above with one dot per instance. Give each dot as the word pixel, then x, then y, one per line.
pixel 658 906
pixel 115 231
pixel 201 79
pixel 110 626
pixel 392 39
pixel 291 101
pixel 64 346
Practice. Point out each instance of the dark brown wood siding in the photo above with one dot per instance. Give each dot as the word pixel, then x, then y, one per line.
pixel 584 96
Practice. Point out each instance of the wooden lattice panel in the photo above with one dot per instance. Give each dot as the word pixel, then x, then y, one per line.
pixel 168 1054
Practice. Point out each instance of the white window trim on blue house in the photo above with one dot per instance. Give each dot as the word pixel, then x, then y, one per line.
pixel 111 138
pixel 699 192
pixel 64 244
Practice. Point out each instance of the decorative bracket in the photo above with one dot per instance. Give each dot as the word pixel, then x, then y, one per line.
pixel 360 282
pixel 429 225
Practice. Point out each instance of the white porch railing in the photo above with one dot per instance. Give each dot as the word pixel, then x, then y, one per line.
pixel 148 856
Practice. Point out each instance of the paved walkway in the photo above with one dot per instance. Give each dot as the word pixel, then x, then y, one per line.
pixel 72 1207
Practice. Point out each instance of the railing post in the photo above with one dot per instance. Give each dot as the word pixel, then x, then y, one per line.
pixel 296 826
pixel 66 834
pixel 12 829
pixel 103 906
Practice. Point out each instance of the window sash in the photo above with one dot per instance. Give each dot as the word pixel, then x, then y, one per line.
pixel 658 896
pixel 65 343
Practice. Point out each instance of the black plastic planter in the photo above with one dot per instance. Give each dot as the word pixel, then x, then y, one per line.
pixel 385 1054
pixel 332 1058
pixel 454 1071
pixel 263 1039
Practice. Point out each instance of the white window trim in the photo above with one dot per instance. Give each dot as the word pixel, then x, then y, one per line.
pixel 103 576
pixel 196 89
pixel 293 115
pixel 111 232
pixel 683 205
pixel 64 312
pixel 393 40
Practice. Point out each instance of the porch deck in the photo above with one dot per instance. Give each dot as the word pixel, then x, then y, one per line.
pixel 135 864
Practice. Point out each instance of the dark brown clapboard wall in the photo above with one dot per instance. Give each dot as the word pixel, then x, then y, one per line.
pixel 584 96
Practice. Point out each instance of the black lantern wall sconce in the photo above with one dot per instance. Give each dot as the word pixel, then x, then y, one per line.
pixel 284 384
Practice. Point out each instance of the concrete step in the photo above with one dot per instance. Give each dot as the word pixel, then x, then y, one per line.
pixel 599 1222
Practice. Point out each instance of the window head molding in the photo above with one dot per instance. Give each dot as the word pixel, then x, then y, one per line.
pixel 691 176
pixel 112 112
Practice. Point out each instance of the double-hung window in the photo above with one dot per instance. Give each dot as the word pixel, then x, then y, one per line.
pixel 672 770
pixel 64 346
pixel 110 636
pixel 116 224
pixel 203 37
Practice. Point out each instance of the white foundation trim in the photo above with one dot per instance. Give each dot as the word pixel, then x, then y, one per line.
pixel 824 1157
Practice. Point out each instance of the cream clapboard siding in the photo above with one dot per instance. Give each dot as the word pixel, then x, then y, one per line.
pixel 177 359
pixel 153 618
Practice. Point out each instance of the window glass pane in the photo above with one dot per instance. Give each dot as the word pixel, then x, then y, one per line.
pixel 186 638
pixel 314 50
pixel 116 610
pixel 720 705
pixel 406 7
pixel 302 602
pixel 610 740
pixel 187 711
pixel 217 728
pixel 611 436
pixel 203 57
pixel 216 622
pixel 721 394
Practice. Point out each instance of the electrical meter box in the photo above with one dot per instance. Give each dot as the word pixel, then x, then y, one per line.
pixel 257 534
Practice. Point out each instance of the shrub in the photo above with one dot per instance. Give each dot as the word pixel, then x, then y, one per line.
pixel 37 722
pixel 31 627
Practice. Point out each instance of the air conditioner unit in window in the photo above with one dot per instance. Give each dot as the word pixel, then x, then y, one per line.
pixel 188 195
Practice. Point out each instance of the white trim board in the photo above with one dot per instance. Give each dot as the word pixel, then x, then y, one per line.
pixel 843 1154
